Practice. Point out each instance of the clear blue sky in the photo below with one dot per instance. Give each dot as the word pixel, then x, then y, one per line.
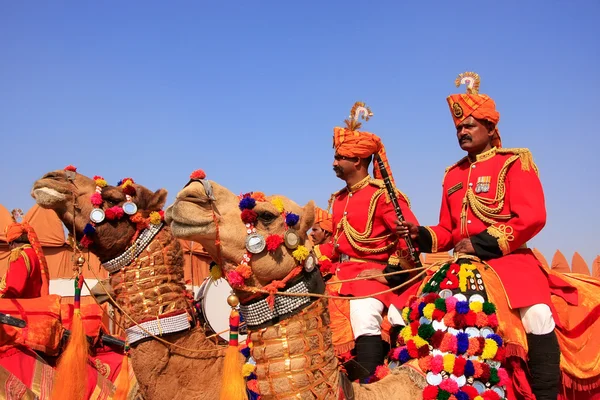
pixel 250 92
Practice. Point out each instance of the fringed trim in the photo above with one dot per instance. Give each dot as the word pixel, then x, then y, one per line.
pixel 524 155
pixel 578 384
pixel 516 350
pixel 340 349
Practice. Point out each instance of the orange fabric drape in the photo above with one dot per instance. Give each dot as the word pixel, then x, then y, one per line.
pixel 196 263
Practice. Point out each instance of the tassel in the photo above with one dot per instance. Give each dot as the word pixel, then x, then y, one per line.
pixel 72 368
pixel 122 381
pixel 233 385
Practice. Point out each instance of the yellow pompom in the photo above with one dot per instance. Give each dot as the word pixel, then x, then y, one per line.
pixel 490 349
pixel 216 273
pixel 155 218
pixel 405 313
pixel 278 203
pixel 476 306
pixel 406 333
pixel 300 253
pixel 247 369
pixel 428 311
pixel 101 183
pixel 449 362
pixel 419 341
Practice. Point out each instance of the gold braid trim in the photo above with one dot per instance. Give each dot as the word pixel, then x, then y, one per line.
pixel 317 251
pixel 482 207
pixel 434 240
pixel 504 235
pixel 355 237
pixel 525 156
pixel 381 184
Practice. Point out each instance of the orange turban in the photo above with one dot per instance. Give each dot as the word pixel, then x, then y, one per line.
pixel 473 104
pixel 350 142
pixel 323 218
pixel 15 231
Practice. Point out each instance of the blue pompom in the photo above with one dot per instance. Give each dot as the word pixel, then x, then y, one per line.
pixel 462 342
pixel 403 356
pixel 89 230
pixel 251 376
pixel 291 219
pixel 496 339
pixel 247 203
pixel 469 368
pixel 421 307
pixel 462 307
pixel 245 352
pixel 461 396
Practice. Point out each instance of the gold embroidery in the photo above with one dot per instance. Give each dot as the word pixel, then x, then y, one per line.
pixel 486 155
pixel 434 241
pixel 525 155
pixel 103 369
pixel 455 188
pixel 457 110
pixel 504 235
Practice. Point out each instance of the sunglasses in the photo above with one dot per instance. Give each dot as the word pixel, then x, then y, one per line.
pixel 338 157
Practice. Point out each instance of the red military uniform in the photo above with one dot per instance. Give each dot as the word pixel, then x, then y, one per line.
pixel 23 279
pixel 498 202
pixel 364 223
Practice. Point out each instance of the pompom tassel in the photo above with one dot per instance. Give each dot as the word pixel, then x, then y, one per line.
pixel 122 381
pixel 233 385
pixel 72 367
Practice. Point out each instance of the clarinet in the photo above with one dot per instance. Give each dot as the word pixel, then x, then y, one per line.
pixel 392 193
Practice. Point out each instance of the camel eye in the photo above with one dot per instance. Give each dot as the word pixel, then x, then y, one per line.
pixel 266 217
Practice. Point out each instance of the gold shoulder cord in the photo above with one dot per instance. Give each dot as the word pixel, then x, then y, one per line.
pixel 481 206
pixel 355 237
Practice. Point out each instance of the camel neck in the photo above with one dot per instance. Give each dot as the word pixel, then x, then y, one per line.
pixel 289 351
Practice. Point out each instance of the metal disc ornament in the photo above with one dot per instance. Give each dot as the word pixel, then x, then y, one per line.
pixel 310 263
pixel 291 239
pixel 97 215
pixel 255 243
pixel 129 208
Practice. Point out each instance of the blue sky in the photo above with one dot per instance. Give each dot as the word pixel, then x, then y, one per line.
pixel 250 92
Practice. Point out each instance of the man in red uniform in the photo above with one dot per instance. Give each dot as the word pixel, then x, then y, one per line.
pixel 492 204
pixel 27 274
pixel 322 227
pixel 364 242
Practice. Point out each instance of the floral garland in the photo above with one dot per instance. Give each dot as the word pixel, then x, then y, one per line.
pixel 116 212
pixel 455 341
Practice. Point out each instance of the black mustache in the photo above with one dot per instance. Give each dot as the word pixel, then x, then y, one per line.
pixel 465 138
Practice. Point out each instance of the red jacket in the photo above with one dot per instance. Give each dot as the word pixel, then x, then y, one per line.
pixel 498 202
pixel 23 279
pixel 355 208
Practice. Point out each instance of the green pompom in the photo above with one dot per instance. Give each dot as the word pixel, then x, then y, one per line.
pixel 440 304
pixel 426 331
pixel 489 308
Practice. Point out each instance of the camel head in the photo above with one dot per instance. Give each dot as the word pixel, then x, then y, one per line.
pixel 234 229
pixel 74 196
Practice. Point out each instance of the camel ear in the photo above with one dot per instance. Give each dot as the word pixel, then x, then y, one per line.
pixel 158 200
pixel 308 217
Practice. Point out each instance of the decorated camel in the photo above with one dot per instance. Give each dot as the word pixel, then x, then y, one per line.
pixel 260 244
pixel 123 226
pixel 462 340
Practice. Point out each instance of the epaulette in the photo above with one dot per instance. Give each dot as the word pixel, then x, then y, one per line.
pixel 524 155
pixel 462 160
pixel 381 185
pixel 18 252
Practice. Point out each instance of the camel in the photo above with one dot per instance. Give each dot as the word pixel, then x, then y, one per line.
pixel 291 341
pixel 147 287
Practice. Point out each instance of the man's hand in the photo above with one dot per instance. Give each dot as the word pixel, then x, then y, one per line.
pixel 373 274
pixel 464 246
pixel 405 228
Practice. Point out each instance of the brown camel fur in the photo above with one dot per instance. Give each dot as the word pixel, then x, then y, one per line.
pixel 295 357
pixel 144 289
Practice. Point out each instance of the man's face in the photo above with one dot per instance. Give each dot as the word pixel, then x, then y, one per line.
pixel 343 166
pixel 473 136
pixel 318 235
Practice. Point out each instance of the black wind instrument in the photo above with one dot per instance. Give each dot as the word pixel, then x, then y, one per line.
pixel 392 193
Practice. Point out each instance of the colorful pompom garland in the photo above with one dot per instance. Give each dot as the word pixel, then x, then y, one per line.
pixel 115 213
pixel 454 342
